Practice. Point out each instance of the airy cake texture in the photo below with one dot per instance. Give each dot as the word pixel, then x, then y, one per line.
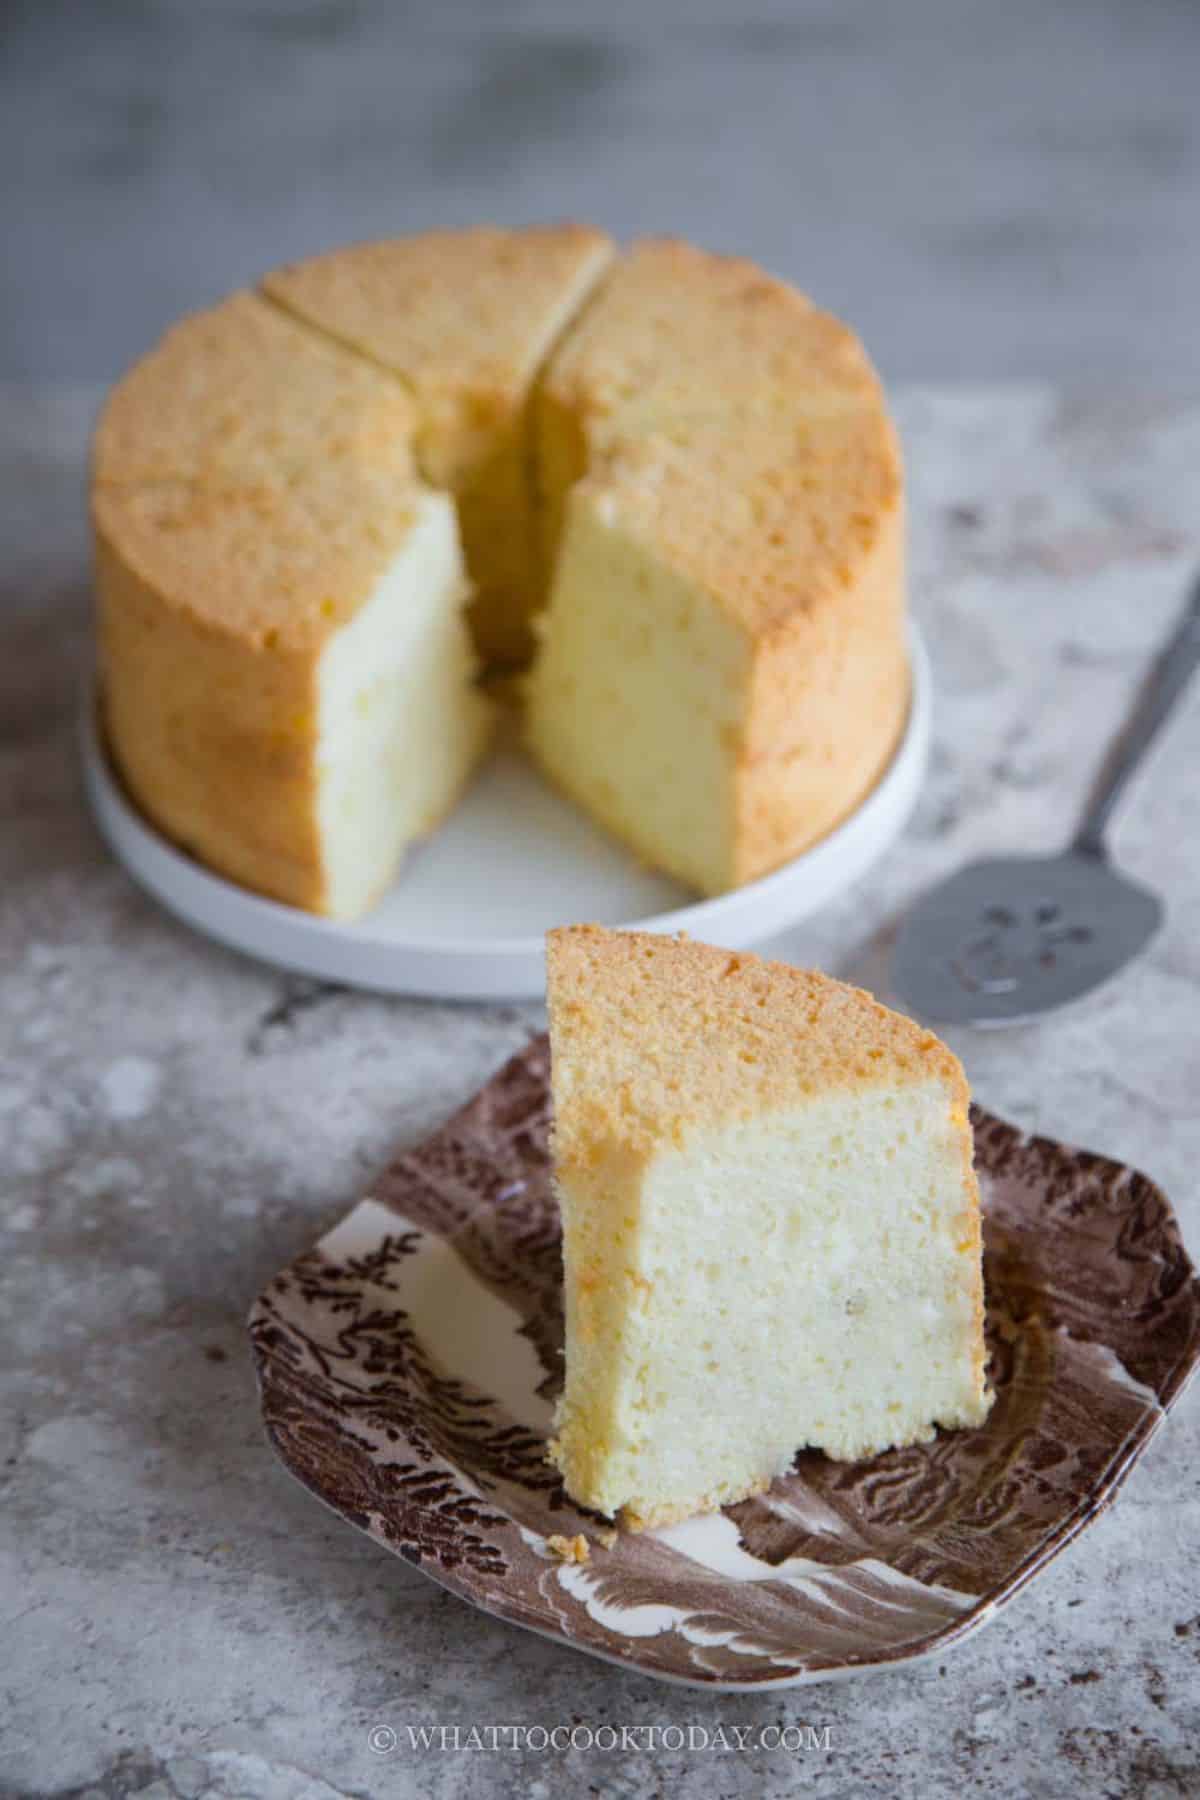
pixel 723 672
pixel 303 496
pixel 771 1231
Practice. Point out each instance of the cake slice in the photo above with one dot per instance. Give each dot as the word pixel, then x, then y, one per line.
pixel 723 667
pixel 465 318
pixel 771 1233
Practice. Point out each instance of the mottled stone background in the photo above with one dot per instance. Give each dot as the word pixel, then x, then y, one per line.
pixel 179 1618
pixel 986 189
pixel 1001 192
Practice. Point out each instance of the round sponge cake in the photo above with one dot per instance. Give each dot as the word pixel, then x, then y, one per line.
pixel 663 483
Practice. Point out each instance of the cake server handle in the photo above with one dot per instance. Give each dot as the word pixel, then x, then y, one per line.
pixel 1162 689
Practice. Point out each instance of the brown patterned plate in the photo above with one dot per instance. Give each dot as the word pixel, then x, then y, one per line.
pixel 409 1363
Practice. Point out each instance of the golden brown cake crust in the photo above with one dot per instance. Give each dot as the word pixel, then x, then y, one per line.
pixel 464 317
pixel 193 715
pixel 829 698
pixel 242 396
pixel 745 426
pixel 276 566
pixel 758 1033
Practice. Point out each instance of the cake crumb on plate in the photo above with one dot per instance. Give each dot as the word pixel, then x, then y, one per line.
pixel 570 1549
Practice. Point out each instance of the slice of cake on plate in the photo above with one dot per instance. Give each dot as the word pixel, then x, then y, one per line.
pixel 771 1232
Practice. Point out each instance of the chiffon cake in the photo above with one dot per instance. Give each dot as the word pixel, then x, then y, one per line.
pixel 661 487
pixel 771 1230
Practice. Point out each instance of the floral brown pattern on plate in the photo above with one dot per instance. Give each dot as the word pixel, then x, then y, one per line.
pixel 409 1363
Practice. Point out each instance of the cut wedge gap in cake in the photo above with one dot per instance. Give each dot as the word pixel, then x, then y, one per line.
pixel 466 320
pixel 771 1229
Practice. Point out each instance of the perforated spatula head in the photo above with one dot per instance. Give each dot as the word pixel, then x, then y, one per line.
pixel 1006 940
pixel 1003 941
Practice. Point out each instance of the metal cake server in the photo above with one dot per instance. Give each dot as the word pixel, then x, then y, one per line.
pixel 1005 940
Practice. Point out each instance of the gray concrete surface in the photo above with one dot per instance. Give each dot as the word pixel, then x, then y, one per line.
pixel 1003 192
pixel 985 190
pixel 177 1617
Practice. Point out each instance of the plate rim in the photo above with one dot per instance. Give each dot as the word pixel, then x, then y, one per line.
pixel 500 967
pixel 1085 1513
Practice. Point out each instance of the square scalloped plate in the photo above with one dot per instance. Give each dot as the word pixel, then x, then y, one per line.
pixel 409 1363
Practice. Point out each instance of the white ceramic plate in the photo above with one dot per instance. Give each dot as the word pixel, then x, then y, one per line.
pixel 466 916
